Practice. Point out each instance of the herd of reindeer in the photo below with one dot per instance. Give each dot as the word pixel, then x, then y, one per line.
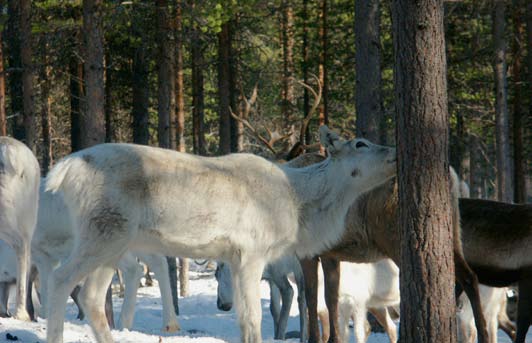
pixel 103 207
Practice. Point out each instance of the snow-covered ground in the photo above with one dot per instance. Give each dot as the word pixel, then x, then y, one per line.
pixel 200 320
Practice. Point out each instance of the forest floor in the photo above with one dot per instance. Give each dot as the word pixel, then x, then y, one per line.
pixel 200 320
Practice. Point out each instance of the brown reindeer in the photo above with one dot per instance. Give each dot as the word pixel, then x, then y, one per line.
pixel 371 234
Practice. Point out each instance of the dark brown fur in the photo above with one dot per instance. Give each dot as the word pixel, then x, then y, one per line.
pixel 372 234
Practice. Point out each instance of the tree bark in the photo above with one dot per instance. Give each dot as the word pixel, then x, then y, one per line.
pixel 184 267
pixel 27 75
pixel 198 106
pixel 322 69
pixel 141 100
pixel 93 122
pixel 225 86
pixel 76 94
pixel 368 101
pixel 287 34
pixel 15 64
pixel 109 134
pixel 3 118
pixel 305 49
pixel 165 76
pixel 46 112
pixel 502 127
pixel 427 269
pixel 179 86
pixel 518 49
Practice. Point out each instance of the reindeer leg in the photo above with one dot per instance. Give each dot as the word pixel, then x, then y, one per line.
pixel 287 294
pixel 75 296
pixel 310 273
pixel 331 272
pixel 275 310
pixel 4 297
pixel 524 309
pixel 469 281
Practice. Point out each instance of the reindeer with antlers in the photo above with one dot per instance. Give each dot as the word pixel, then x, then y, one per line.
pixel 370 235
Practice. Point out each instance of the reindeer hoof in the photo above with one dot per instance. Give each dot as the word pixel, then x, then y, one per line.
pixel 5 315
pixel 22 315
pixel 172 327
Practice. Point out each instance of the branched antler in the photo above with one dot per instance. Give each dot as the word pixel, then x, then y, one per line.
pixel 317 99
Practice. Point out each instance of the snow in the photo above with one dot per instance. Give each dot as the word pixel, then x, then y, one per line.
pixel 200 320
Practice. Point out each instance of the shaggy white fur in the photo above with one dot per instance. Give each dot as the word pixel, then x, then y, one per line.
pixel 19 192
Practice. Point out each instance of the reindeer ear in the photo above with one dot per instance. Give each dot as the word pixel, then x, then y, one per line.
pixel 330 140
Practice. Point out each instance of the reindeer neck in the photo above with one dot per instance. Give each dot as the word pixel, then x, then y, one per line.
pixel 323 200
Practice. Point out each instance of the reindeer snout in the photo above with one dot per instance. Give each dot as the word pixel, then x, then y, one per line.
pixel 224 306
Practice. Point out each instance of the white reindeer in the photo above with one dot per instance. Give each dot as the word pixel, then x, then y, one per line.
pixel 53 241
pixel 363 287
pixel 281 292
pixel 239 208
pixel 19 192
pixel 8 275
pixel 494 308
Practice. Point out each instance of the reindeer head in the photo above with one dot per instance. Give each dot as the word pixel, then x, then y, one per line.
pixel 224 301
pixel 365 165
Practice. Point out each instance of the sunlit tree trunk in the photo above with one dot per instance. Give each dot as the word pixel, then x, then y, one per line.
pixel 322 69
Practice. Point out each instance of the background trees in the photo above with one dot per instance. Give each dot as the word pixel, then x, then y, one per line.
pixel 167 72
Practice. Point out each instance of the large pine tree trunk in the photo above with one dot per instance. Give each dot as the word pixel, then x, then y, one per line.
pixel 93 122
pixel 3 118
pixel 322 69
pixel 518 50
pixel 287 34
pixel 502 126
pixel 428 309
pixel 368 101
pixel 225 86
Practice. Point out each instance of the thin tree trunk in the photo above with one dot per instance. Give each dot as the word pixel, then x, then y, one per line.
pixel 15 66
pixel 368 101
pixel 428 309
pixel 166 109
pixel 93 122
pixel 305 48
pixel 3 118
pixel 180 87
pixel 141 100
pixel 76 94
pixel 287 34
pixel 198 107
pixel 165 75
pixel 46 112
pixel 322 69
pixel 224 88
pixel 475 173
pixel 184 267
pixel 27 74
pixel 518 49
pixel 109 134
pixel 502 127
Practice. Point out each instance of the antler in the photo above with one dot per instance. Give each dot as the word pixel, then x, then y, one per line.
pixel 275 136
pixel 317 99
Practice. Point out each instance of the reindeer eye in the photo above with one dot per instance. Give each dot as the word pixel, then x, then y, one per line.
pixel 361 144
